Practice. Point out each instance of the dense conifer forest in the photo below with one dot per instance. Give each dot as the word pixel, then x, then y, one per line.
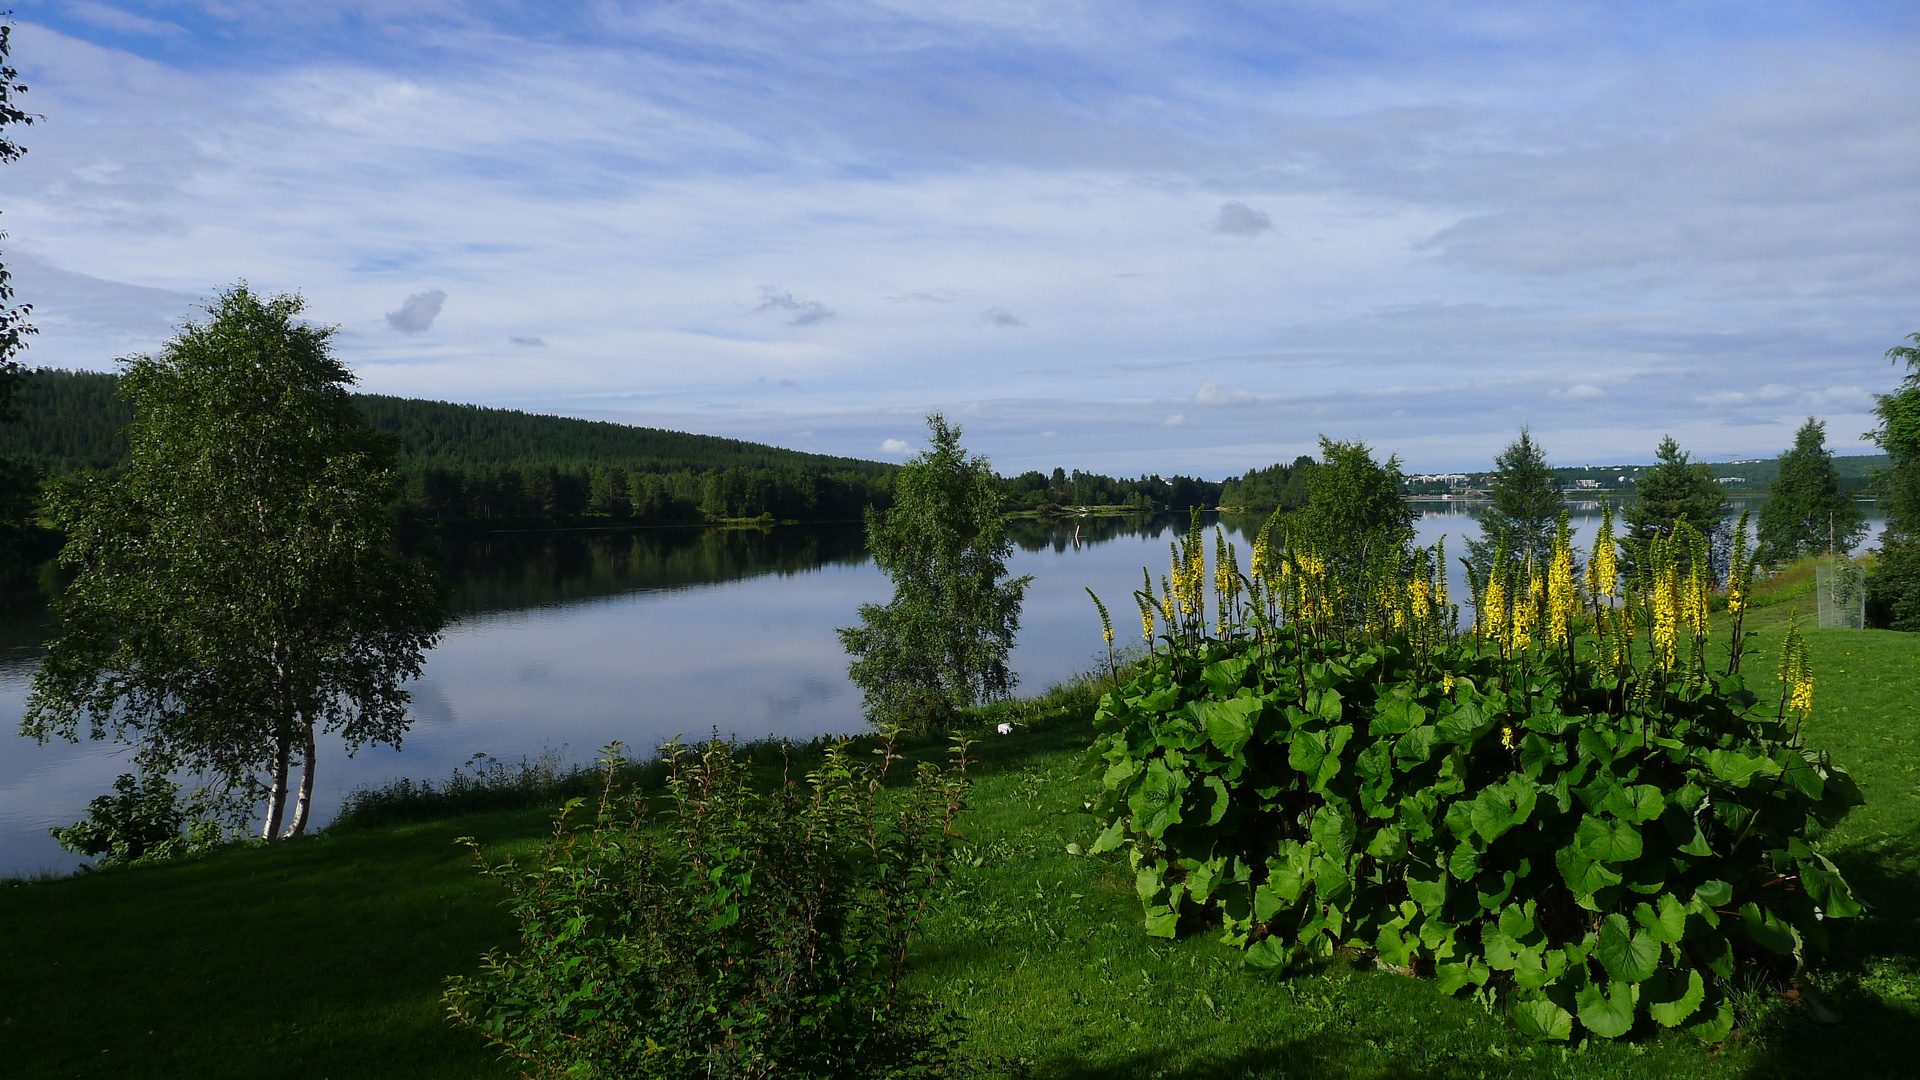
pixel 496 468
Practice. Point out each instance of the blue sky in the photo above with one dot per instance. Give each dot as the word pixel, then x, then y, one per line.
pixel 1122 237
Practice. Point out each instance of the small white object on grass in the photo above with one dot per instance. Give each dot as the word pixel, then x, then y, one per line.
pixel 1006 729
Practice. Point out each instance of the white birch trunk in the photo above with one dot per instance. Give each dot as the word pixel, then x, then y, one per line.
pixel 305 801
pixel 277 796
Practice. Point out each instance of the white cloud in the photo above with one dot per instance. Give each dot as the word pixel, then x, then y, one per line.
pixel 1577 392
pixel 1176 420
pixel 418 313
pixel 894 446
pixel 1213 394
pixel 1722 215
pixel 1239 219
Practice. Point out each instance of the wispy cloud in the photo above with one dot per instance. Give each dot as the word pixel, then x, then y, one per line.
pixel 1001 317
pixel 803 312
pixel 528 342
pixel 1430 240
pixel 1213 394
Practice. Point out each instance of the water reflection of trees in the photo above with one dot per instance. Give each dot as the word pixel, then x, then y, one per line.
pixel 512 571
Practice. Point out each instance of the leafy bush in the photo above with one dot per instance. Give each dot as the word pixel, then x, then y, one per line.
pixel 484 784
pixel 143 821
pixel 736 934
pixel 1592 828
pixel 1893 587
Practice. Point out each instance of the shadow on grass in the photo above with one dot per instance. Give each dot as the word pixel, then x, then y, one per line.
pixel 1872 979
pixel 1321 1056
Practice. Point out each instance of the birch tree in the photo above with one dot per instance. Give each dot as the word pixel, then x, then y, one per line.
pixel 237 592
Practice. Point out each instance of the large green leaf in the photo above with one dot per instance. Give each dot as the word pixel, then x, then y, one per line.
pixel 1681 998
pixel 1541 1019
pixel 1628 956
pixel 1500 807
pixel 1466 723
pixel 1583 875
pixel 1220 801
pixel 1607 1013
pixel 1334 830
pixel 1230 723
pixel 1667 923
pixel 1737 769
pixel 1608 840
pixel 1156 802
pixel 1415 746
pixel 1768 930
pixel 1713 1027
pixel 1396 714
pixel 1317 754
pixel 1223 677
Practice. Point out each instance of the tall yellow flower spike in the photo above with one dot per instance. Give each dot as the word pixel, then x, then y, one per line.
pixel 1603 569
pixel 1796 672
pixel 1561 597
pixel 1492 616
pixel 1526 611
pixel 1666 603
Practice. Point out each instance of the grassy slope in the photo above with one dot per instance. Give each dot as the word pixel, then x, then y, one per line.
pixel 325 957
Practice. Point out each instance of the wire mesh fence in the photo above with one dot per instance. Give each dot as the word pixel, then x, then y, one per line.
pixel 1842 588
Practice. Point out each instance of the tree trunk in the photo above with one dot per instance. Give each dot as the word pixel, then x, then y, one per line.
pixel 300 807
pixel 277 796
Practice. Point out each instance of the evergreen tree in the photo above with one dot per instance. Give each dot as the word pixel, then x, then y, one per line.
pixel 1674 488
pixel 1806 513
pixel 237 591
pixel 941 644
pixel 1524 510
pixel 1893 589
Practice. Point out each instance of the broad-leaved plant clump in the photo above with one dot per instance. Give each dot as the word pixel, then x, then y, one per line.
pixel 144 820
pixel 1563 808
pixel 727 932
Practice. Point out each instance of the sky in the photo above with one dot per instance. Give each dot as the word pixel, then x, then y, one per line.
pixel 1123 237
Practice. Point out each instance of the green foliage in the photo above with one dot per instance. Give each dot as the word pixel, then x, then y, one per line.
pixel 143 821
pixel 941 644
pixel 236 588
pixel 1037 491
pixel 1525 505
pixel 1806 513
pixel 736 934
pixel 1893 587
pixel 1350 494
pixel 1675 488
pixel 1276 487
pixel 1523 814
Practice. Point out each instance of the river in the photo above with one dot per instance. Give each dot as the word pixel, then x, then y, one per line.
pixel 562 642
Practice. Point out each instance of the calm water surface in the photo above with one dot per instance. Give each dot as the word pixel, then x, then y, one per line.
pixel 563 642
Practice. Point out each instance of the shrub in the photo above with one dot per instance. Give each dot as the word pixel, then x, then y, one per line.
pixel 143 821
pixel 1591 828
pixel 735 934
pixel 484 784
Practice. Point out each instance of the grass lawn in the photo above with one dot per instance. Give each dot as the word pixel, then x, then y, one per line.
pixel 324 957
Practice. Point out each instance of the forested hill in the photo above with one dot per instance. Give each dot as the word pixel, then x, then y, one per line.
pixel 502 466
pixel 443 433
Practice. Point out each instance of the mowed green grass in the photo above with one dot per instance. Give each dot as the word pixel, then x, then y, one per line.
pixel 325 958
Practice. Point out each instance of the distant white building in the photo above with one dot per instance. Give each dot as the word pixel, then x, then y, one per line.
pixel 1731 479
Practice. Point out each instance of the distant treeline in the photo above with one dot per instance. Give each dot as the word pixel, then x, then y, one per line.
pixel 1276 487
pixel 501 468
pixel 1037 491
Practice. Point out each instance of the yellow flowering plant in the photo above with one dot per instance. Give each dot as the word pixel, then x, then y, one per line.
pixel 1559 820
